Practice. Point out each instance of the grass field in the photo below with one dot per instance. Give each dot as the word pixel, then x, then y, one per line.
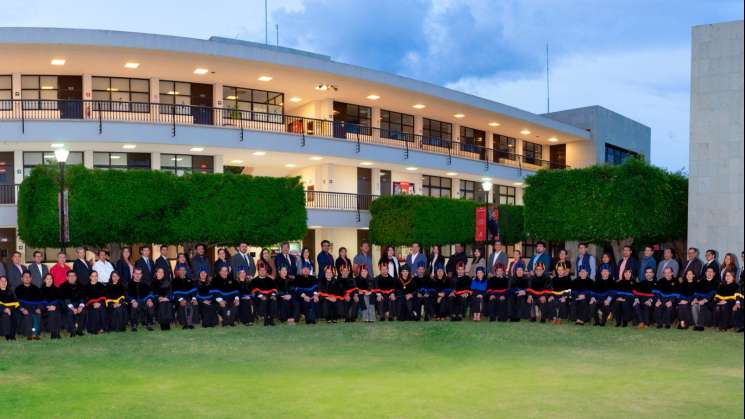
pixel 412 370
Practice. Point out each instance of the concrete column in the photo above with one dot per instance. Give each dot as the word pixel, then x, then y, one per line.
pixel 375 181
pixel 155 161
pixel 154 97
pixel 418 124
pixel 375 117
pixel 217 114
pixel 88 158
pixel 456 132
pixel 16 85
pixel 18 166
pixel 218 163
pixel 87 95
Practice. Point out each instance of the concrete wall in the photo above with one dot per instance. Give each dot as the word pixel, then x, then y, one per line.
pixel 715 200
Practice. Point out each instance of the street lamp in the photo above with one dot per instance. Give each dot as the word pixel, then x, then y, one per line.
pixel 61 155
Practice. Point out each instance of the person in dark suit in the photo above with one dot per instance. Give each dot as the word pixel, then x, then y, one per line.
pixel 325 258
pixel 146 266
pixel 693 263
pixel 711 262
pixel 498 256
pixel 627 262
pixel 200 261
pixel 517 263
pixel 541 256
pixel 459 257
pixel 416 258
pixel 284 258
pixel 16 269
pixel 38 269
pixel 82 267
pixel 162 262
pixel 243 261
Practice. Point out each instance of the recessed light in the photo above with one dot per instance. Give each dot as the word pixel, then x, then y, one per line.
pixel 314 227
pixel 525 132
pixel 231 97
pixel 265 78
pixel 485 179
pixel 201 71
pixel 459 115
pixel 452 173
pixel 47 87
pixel 494 124
pixel 553 140
pixel 296 99
pixel 412 169
pixel 419 106
pixel 196 149
pixel 57 145
pixel 115 157
pixel 58 61
pixel 129 146
pixel 373 97
pixel 131 64
pixel 316 158
pixel 173 92
pixel 366 163
pixel 517 184
pixel 236 161
pixel 259 153
pixel 290 165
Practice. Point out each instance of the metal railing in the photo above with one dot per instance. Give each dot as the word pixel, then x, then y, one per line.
pixel 8 194
pixel 338 200
pixel 101 112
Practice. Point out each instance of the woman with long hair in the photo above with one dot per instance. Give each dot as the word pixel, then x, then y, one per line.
pixel 116 295
pixel 223 259
pixel 389 258
pixel 306 259
pixel 52 307
pixel 729 264
pixel 266 258
pixel 436 260
pixel 477 261
pixel 343 259
pixel 124 265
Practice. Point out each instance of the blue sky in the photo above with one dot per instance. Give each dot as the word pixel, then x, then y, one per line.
pixel 631 56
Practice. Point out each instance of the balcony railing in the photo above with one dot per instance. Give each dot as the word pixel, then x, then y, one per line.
pixel 8 194
pixel 103 112
pixel 338 200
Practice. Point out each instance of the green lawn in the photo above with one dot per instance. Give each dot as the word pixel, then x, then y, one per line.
pixel 426 370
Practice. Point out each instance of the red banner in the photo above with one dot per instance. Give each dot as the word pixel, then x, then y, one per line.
pixel 480 235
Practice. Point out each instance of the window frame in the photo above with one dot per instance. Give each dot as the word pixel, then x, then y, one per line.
pixel 428 187
pixel 39 103
pixel 128 166
pixel 353 119
pixel 505 147
pixel 6 104
pixel 232 104
pixel 443 140
pixel 28 167
pixel 183 170
pixel 401 130
pixel 530 151
pixel 110 105
pixel 509 193
pixel 620 154
pixel 472 190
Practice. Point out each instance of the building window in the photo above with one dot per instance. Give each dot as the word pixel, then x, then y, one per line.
pixel 616 155
pixel 252 104
pixel 6 93
pixel 180 164
pixel 123 161
pixel 472 190
pixel 359 117
pixel 437 186
pixel 175 93
pixel 121 94
pixel 505 195
pixel 505 147
pixel 399 126
pixel 437 133
pixel 39 92
pixel 532 152
pixel 472 140
pixel 32 159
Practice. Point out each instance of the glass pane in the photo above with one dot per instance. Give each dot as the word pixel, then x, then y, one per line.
pixel 141 160
pixel 29 82
pixel 48 82
pixel 49 158
pixel 259 96
pixel 100 159
pixel 31 159
pixel 119 84
pixel 5 82
pixel 30 94
pixel 76 157
pixel 118 159
pixel 167 99
pixel 183 161
pixel 365 112
pixel 244 95
pixel 204 164
pixel 258 107
pixel 183 88
pixel 100 83
pixel 165 87
pixel 139 97
pixel 100 95
pixel 5 95
pixel 183 100
pixel 167 160
pixel 49 94
pixel 120 96
pixel 140 85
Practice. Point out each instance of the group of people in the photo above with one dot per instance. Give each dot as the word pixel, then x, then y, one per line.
pixel 236 289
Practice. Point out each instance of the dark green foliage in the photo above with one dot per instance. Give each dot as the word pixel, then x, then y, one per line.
pixel 511 224
pixel 158 207
pixel 606 203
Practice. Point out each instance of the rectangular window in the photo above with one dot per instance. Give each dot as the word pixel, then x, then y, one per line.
pixel 175 97
pixel 122 161
pixel 39 92
pixel 395 125
pixel 505 148
pixel 532 152
pixel 350 118
pixel 437 186
pixel 616 155
pixel 472 140
pixel 252 104
pixel 6 93
pixel 505 195
pixel 32 159
pixel 121 94
pixel 180 164
pixel 472 190
pixel 437 133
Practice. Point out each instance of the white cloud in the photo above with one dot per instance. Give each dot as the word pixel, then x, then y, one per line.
pixel 650 85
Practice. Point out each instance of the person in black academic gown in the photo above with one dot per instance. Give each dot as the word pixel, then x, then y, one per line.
pixel 478 299
pixel 686 295
pixel 385 286
pixel 185 296
pixel 601 300
pixel 439 300
pixel 423 285
pixel 560 298
pixel 350 297
pixel 306 295
pixel 702 306
pixel 162 290
pixel 726 299
pixel 227 296
pixel 405 295
pixel 497 291
pixel 285 302
pixel 116 303
pixel 519 284
pixel 95 305
pixel 581 295
pixel 539 304
pixel 330 295
pixel 460 294
pixel 365 284
pixel 29 295
pixel 141 304
pixel 52 307
pixel 644 298
pixel 623 301
pixel 8 309
pixel 72 296
pixel 207 304
pixel 265 295
pixel 245 293
pixel 664 307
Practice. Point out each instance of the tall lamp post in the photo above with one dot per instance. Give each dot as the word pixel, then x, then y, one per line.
pixel 61 155
pixel 486 185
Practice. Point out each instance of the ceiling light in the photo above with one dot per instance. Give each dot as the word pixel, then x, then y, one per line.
pixel 411 169
pixel 201 71
pixel 290 165
pixel 517 184
pixel 236 161
pixel 57 145
pixel 131 64
pixel 553 140
pixel 196 149
pixel 459 115
pixel 296 99
pixel 265 78
pixel 58 61
pixel 494 124
pixel 112 89
pixel 366 163
pixel 231 97
pixel 129 146
pixel 47 87
pixel 419 106
pixel 316 158
pixel 525 132
pixel 484 179
pixel 373 97
pixel 259 153
pixel 173 92
pixel 115 157
pixel 314 227
pixel 452 173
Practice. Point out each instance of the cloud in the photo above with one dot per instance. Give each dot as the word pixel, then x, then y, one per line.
pixel 649 85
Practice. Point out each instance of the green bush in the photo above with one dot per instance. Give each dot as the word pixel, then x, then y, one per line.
pixel 159 207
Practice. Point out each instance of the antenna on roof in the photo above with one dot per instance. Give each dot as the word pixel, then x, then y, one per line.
pixel 548 85
pixel 266 23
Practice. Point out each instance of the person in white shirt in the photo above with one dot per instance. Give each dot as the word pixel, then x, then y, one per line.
pixel 103 267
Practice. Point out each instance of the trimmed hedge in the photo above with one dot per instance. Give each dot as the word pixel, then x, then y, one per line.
pixel 634 200
pixel 403 219
pixel 159 207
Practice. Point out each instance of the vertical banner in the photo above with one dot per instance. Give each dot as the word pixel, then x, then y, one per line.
pixel 480 234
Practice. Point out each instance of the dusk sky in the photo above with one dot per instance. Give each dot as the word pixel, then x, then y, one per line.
pixel 632 57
